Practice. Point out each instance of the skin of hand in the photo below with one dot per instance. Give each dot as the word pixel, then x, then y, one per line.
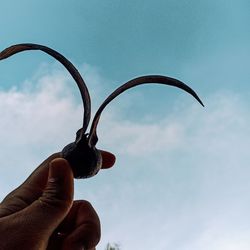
pixel 41 214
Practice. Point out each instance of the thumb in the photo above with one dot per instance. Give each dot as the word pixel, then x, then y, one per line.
pixel 51 208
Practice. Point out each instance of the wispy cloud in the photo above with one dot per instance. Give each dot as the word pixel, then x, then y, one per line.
pixel 181 182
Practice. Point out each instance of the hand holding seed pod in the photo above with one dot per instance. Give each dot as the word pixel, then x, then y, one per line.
pixel 82 154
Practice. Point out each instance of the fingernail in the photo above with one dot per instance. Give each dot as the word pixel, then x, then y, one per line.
pixel 56 170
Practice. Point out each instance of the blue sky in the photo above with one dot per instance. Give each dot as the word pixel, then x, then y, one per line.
pixel 181 178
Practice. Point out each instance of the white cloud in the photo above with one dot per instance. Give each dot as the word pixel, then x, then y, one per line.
pixel 179 183
pixel 190 183
pixel 37 119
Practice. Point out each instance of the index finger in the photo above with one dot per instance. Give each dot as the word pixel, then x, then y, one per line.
pixel 108 159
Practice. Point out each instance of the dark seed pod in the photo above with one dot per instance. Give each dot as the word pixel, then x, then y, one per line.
pixel 85 161
pixel 84 158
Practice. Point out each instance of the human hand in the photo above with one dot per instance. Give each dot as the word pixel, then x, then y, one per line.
pixel 41 214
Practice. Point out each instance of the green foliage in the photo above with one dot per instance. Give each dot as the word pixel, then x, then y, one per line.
pixel 112 247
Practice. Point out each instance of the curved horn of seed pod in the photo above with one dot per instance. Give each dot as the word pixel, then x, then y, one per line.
pixel 85 161
pixel 68 65
pixel 92 139
pixel 84 158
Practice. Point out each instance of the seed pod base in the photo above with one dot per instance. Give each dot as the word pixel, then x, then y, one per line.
pixel 85 161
